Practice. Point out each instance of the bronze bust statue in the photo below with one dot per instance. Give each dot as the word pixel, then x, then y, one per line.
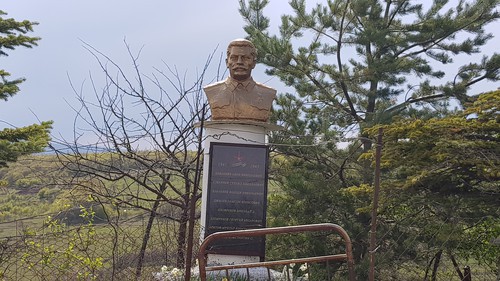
pixel 239 97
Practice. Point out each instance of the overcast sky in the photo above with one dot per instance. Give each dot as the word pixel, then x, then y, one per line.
pixel 180 33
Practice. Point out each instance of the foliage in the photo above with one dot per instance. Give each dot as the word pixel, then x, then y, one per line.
pixel 444 174
pixel 72 262
pixel 30 188
pixel 481 238
pixel 12 35
pixel 311 192
pixel 23 141
pixel 15 142
pixel 352 62
pixel 451 155
pixel 356 64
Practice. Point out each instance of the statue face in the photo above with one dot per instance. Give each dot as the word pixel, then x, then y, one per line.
pixel 240 63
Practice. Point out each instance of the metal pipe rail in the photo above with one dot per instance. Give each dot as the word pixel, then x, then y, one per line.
pixel 202 255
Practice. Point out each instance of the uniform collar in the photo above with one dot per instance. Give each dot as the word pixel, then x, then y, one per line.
pixel 233 84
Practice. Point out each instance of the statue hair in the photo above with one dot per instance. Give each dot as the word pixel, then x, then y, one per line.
pixel 243 43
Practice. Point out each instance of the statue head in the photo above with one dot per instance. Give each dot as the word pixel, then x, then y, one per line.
pixel 241 59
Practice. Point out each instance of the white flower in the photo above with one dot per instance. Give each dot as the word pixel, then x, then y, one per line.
pixel 176 272
pixel 164 269
pixel 303 267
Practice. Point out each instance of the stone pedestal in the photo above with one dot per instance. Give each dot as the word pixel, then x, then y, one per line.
pixel 230 132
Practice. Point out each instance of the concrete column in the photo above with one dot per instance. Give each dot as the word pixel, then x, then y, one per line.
pixel 238 132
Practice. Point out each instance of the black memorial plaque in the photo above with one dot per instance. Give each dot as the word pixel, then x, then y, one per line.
pixel 237 196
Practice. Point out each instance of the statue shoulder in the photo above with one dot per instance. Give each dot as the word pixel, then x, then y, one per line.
pixel 215 85
pixel 266 89
pixel 214 88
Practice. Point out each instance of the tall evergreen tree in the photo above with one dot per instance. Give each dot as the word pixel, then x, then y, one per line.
pixel 444 174
pixel 355 64
pixel 15 142
pixel 13 34
pixel 362 61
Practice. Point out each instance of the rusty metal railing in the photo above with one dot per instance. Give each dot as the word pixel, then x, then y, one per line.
pixel 347 256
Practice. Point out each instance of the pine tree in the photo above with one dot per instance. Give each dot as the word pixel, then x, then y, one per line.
pixel 13 35
pixel 362 61
pixel 353 65
pixel 15 142
pixel 444 174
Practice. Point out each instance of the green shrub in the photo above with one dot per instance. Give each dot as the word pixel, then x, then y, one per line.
pixel 28 182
